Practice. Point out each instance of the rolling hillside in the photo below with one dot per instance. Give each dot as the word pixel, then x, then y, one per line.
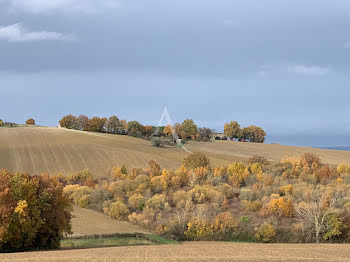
pixel 48 149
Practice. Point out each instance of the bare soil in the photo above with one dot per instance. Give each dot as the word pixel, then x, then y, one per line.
pixel 194 251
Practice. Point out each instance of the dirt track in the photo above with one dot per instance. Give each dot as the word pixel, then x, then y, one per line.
pixel 195 251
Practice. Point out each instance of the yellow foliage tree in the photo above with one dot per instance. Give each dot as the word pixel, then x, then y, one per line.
pixel 265 233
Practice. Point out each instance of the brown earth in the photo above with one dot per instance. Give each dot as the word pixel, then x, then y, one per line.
pixel 194 251
pixel 47 149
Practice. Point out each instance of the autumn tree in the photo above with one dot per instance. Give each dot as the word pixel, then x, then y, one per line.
pixel 168 130
pixel 1 122
pixel 179 130
pixel 113 125
pixel 30 121
pixel 135 129
pixel 97 124
pixel 204 134
pixel 124 124
pixel 254 134
pixel 83 122
pixel 69 122
pixel 194 160
pixel 314 211
pixel 189 127
pixel 232 130
pixel 34 212
pixel 148 131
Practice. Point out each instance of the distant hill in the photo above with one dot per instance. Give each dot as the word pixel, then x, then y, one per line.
pixel 48 149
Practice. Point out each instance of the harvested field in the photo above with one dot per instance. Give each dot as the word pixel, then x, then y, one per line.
pixel 89 222
pixel 44 149
pixel 273 152
pixel 194 251
pixel 54 150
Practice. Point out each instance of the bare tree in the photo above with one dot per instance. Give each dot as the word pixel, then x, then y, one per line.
pixel 314 210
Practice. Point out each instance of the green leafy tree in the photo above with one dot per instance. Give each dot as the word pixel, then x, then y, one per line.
pixel 113 125
pixel 135 129
pixel 189 127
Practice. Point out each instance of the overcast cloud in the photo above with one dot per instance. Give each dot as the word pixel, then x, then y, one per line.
pixel 283 66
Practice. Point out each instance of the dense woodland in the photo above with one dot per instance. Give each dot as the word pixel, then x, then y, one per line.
pixel 295 201
pixel 298 200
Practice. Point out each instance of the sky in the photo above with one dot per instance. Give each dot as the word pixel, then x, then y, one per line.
pixel 281 65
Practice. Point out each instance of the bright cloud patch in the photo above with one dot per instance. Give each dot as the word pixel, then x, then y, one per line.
pixel 17 33
pixel 65 6
pixel 308 70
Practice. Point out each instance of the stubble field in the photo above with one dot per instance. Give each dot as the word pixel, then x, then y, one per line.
pixel 53 150
pixel 193 251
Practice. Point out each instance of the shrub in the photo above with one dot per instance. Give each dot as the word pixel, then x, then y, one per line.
pixel 201 173
pixel 246 194
pixel 137 201
pixel 224 225
pixel 252 205
pixel 259 159
pixel 343 168
pixel 256 168
pixel 118 210
pixel 281 207
pixel 158 141
pixel 237 174
pixel 97 197
pixel 119 172
pixel 286 190
pixel 156 202
pixel 180 198
pixel 265 233
pixel 199 229
pixel 79 177
pixel 79 194
pixel 245 219
pixel 1 122
pixel 194 160
pixel 158 184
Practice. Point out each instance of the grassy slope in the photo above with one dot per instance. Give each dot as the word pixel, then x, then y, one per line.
pixel 46 149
